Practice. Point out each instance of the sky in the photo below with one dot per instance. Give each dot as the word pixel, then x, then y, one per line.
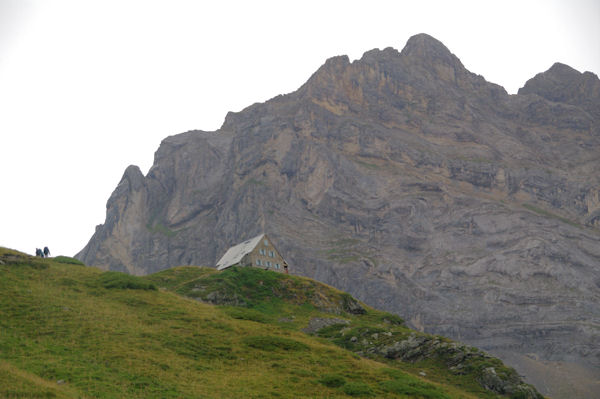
pixel 90 87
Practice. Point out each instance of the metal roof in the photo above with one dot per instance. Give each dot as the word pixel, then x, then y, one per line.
pixel 236 253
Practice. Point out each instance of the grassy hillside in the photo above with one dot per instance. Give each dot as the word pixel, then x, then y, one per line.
pixel 70 331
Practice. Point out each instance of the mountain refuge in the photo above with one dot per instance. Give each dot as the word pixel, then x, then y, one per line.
pixel 258 252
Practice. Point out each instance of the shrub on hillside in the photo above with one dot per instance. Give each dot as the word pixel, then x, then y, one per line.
pixel 246 314
pixel 273 343
pixel 120 280
pixel 357 389
pixel 412 386
pixel 332 380
pixel 393 319
pixel 68 260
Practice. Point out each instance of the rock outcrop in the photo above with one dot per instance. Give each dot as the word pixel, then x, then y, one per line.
pixel 406 180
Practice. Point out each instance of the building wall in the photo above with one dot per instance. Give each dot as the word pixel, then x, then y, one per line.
pixel 265 256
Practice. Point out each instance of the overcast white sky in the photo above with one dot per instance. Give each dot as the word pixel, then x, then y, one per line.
pixel 90 87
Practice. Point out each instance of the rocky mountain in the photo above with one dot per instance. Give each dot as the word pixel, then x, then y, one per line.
pixel 413 184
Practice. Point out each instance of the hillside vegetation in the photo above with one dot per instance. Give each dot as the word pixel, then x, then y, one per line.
pixel 70 331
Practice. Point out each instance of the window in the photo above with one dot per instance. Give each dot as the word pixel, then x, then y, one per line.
pixel 257 262
pixel 266 243
pixel 271 254
pixel 276 265
pixel 268 264
pixel 262 252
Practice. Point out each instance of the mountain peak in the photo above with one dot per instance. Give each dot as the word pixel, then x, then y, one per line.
pixel 427 47
pixel 562 83
pixel 330 71
pixel 560 69
pixel 551 83
pixel 376 55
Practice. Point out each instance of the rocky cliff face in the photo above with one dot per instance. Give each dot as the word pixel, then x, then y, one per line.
pixel 407 181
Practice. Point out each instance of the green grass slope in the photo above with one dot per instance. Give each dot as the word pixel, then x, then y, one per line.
pixel 70 331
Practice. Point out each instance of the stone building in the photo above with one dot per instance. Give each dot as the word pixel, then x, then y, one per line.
pixel 257 252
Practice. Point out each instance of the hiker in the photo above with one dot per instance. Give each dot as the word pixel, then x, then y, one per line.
pixel 46 252
pixel 38 252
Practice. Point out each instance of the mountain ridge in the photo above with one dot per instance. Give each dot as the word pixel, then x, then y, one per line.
pixel 428 192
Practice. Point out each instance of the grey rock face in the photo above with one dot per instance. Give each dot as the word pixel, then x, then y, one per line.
pixel 405 180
